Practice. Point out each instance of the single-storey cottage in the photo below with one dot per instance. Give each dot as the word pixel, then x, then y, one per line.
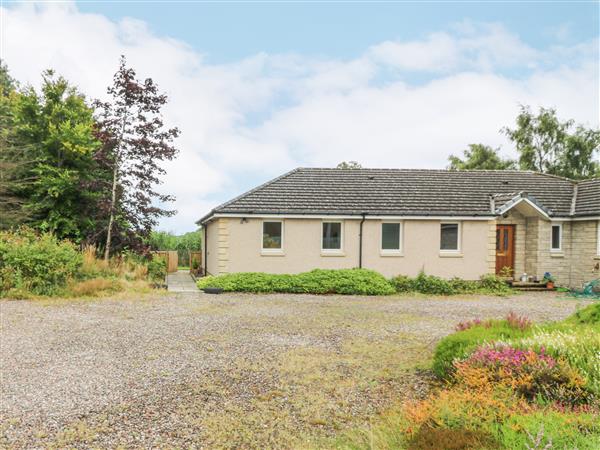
pixel 395 221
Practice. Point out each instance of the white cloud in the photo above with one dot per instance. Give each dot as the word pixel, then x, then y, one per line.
pixel 257 117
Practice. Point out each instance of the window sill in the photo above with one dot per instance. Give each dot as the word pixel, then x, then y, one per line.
pixel 557 255
pixel 272 253
pixel 596 258
pixel 451 255
pixel 332 253
pixel 390 253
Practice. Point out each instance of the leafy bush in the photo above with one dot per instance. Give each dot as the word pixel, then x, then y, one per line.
pixel 40 264
pixel 460 344
pixel 318 281
pixel 157 269
pixel 589 315
pixel 430 284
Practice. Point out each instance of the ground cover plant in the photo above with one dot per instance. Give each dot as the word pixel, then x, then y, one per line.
pixel 351 282
pixel 430 284
pixel 318 281
pixel 39 264
pixel 508 384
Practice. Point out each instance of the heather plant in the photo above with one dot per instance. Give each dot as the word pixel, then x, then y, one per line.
pixel 533 375
pixel 465 325
pixel 519 322
pixel 468 337
pixel 580 347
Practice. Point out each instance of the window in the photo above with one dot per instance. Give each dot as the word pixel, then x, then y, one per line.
pixel 390 237
pixel 556 238
pixel 272 236
pixel 332 236
pixel 450 237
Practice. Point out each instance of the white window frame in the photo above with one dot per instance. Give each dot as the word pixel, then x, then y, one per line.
pixel 400 238
pixel 560 237
pixel 262 233
pixel 332 250
pixel 458 238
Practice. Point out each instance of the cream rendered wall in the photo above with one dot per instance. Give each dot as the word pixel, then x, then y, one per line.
pixel 421 250
pixel 302 248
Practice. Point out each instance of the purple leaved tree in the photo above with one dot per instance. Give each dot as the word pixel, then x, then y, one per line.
pixel 135 142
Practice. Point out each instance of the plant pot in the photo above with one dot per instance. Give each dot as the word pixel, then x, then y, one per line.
pixel 550 285
pixel 212 290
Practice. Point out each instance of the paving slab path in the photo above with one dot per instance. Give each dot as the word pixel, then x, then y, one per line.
pixel 181 281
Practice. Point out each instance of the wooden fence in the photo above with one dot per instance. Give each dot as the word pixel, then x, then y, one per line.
pixel 195 261
pixel 172 259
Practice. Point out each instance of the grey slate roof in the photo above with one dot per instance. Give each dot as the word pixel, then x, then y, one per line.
pixel 588 198
pixel 410 192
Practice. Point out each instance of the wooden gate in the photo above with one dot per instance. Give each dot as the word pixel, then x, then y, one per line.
pixel 171 257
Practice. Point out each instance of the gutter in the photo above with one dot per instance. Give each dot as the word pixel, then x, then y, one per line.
pixel 360 240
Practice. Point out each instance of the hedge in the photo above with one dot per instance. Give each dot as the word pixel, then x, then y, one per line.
pixel 318 281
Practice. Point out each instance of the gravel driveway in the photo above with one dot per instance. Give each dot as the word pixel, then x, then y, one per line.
pixel 194 370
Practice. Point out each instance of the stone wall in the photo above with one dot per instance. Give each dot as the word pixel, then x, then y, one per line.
pixel 585 259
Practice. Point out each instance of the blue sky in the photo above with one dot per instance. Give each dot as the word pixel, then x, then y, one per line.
pixel 230 31
pixel 260 88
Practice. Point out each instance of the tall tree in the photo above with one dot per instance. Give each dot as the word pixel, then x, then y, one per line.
pixel 349 165
pixel 57 129
pixel 134 144
pixel 479 156
pixel 546 144
pixel 12 156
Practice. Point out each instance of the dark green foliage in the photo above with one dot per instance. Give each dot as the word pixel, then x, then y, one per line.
pixel 184 243
pixel 157 269
pixel 480 157
pixel 589 315
pixel 461 343
pixel 40 264
pixel 547 144
pixel 318 281
pixel 57 128
pixel 430 284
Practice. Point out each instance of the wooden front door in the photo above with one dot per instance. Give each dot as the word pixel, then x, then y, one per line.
pixel 505 247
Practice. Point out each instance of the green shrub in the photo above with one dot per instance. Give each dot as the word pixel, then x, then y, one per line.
pixel 318 281
pixel 37 263
pixel 460 344
pixel 551 429
pixel 430 284
pixel 157 269
pixel 589 315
